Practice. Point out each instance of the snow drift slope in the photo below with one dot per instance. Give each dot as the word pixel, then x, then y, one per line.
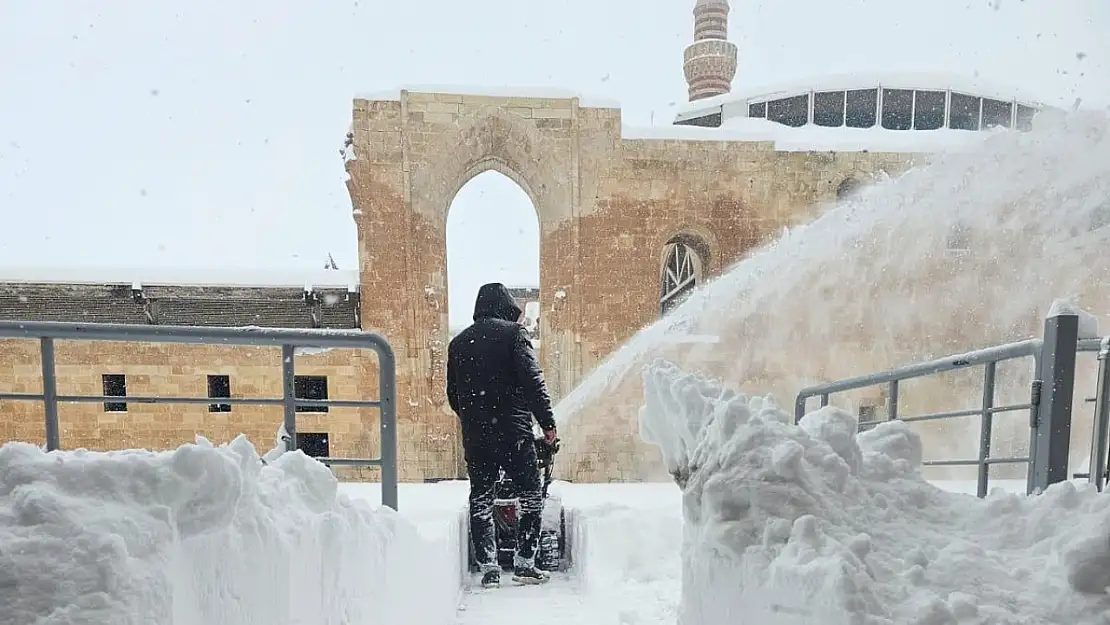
pixel 814 524
pixel 202 535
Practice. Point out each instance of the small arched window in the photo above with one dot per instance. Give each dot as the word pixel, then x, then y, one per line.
pixel 682 272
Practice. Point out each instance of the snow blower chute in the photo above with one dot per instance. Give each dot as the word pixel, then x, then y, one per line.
pixel 553 554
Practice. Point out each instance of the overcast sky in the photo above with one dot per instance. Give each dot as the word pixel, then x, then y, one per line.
pixel 206 133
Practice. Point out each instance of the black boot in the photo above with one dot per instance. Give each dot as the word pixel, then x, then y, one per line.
pixel 529 574
pixel 491 579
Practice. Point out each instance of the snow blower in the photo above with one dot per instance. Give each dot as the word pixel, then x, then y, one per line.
pixel 553 554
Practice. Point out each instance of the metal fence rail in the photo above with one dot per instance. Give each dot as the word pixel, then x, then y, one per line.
pixel 288 339
pixel 1099 461
pixel 1049 405
pixel 987 358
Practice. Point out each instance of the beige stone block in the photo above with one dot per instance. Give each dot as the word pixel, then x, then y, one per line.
pixel 526 103
pixel 442 107
pixel 440 118
pixel 412 97
pixel 483 100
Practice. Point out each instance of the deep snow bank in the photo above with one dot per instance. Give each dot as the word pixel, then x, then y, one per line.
pixel 203 535
pixel 813 524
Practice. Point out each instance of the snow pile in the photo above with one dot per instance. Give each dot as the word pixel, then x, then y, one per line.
pixel 203 535
pixel 813 524
pixel 1088 323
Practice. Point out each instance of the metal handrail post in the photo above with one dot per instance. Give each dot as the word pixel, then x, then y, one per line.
pixel 387 395
pixel 50 394
pixel 1052 438
pixel 892 401
pixel 986 428
pixel 289 396
pixel 1100 436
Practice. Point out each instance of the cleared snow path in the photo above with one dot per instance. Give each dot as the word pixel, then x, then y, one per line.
pixel 560 600
pixel 626 555
pixel 626 566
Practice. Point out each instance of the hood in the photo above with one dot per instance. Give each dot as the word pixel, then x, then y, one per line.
pixel 494 300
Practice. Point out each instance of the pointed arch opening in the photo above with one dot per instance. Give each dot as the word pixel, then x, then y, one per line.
pixel 493 235
pixel 685 257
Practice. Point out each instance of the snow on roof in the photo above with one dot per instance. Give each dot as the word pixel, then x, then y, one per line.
pixel 842 82
pixel 192 276
pixel 517 91
pixel 815 138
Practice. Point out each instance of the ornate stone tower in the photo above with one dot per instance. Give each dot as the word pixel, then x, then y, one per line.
pixel 710 62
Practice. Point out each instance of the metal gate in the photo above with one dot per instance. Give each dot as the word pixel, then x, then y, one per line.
pixel 288 339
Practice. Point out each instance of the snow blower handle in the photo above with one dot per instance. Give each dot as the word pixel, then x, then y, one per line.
pixel 545 455
pixel 547 447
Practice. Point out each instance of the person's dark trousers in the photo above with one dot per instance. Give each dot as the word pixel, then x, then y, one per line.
pixel 518 457
pixel 482 467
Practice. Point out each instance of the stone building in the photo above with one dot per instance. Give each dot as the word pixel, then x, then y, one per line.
pixel 631 220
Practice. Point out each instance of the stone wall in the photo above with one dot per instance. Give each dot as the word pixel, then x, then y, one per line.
pixel 729 196
pixel 607 206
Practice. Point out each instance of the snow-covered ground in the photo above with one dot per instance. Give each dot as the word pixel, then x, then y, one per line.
pixel 208 534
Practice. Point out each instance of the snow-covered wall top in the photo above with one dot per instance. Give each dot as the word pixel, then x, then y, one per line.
pixel 814 138
pixel 191 276
pixel 494 92
pixel 924 81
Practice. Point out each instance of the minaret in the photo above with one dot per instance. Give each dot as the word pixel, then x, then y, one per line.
pixel 710 62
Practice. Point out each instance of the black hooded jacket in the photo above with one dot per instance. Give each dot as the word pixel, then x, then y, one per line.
pixel 494 381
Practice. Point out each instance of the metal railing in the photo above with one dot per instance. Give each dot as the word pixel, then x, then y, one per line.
pixel 1049 406
pixel 287 339
pixel 1099 461
pixel 986 358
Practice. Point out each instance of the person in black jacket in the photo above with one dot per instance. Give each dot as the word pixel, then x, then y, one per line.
pixel 495 386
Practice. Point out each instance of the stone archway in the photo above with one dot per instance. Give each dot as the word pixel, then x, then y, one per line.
pixel 481 139
pixel 419 152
